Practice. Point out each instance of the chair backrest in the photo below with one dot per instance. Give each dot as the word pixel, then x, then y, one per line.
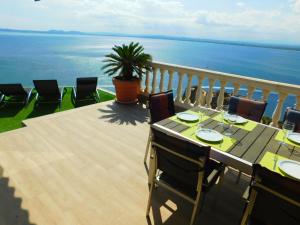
pixel 194 89
pixel 179 158
pixel 86 86
pixel 249 109
pixel 13 90
pixel 47 88
pixel 161 106
pixel 293 116
pixel 277 198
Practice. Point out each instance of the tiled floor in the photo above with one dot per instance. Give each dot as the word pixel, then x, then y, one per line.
pixel 85 167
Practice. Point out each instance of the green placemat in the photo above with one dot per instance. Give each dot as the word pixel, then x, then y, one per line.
pixel 280 137
pixel 269 162
pixel 249 126
pixel 190 124
pixel 223 146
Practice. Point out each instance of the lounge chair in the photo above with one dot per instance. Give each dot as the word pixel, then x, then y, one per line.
pixel 247 108
pixel 273 199
pixel 86 89
pixel 161 106
pixel 15 92
pixel 48 91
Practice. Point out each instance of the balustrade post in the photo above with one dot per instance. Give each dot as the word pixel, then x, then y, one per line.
pixel 147 82
pixel 297 105
pixel 179 88
pixel 171 75
pixel 199 94
pixel 265 95
pixel 188 90
pixel 277 112
pixel 236 88
pixel 162 76
pixel 250 92
pixel 210 92
pixel 220 100
pixel 154 80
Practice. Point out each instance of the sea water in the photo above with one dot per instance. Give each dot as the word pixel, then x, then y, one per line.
pixel 25 57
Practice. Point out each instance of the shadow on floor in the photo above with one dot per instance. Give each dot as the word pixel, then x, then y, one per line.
pixel 43 109
pixel 125 114
pixel 11 212
pixel 10 109
pixel 228 210
pixel 84 103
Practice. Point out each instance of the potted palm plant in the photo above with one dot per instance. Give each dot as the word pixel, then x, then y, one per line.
pixel 128 63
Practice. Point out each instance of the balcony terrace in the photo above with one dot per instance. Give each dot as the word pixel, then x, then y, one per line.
pixel 85 166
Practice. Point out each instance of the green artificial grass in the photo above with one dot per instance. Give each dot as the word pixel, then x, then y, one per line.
pixel 12 114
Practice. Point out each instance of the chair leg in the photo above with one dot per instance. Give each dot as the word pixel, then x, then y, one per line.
pixel 238 177
pixel 149 199
pixel 220 183
pixel 147 147
pixel 1 98
pixel 195 209
pixel 248 209
pixel 98 96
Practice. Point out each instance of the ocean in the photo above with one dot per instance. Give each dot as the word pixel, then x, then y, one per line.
pixel 26 56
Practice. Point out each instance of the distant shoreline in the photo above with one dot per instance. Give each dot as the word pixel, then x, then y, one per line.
pixel 162 37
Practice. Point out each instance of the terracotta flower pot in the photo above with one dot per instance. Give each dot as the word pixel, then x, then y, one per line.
pixel 127 91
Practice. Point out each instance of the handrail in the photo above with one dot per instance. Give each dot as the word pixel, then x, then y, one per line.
pixel 260 83
pixel 161 70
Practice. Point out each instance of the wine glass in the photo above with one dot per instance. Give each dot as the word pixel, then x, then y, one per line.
pixel 232 118
pixel 287 128
pixel 224 110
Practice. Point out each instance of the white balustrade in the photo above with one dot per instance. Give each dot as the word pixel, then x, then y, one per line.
pixel 188 90
pixel 277 112
pixel 237 81
pixel 154 81
pixel 178 98
pixel 171 74
pixel 210 92
pixel 236 88
pixel 265 95
pixel 147 82
pixel 297 105
pixel 220 100
pixel 251 90
pixel 162 76
pixel 199 94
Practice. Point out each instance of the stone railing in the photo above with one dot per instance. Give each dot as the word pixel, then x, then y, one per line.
pixel 162 76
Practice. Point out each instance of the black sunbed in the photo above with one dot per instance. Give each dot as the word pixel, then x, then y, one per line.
pixel 15 92
pixel 86 89
pixel 48 91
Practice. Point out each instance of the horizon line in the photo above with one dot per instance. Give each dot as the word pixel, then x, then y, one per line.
pixel 295 47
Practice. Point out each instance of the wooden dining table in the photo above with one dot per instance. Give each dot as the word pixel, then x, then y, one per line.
pixel 249 143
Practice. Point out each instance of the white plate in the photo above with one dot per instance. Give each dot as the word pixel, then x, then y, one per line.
pixel 294 137
pixel 239 119
pixel 290 167
pixel 189 117
pixel 209 135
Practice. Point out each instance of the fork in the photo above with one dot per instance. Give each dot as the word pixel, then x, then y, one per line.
pixel 275 161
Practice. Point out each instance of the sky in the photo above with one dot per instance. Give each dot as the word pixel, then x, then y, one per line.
pixel 267 21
